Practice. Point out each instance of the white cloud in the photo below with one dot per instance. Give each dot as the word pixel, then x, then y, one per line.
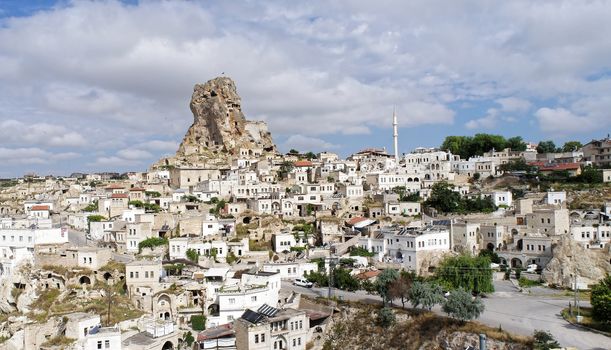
pixel 560 121
pixel 306 144
pixel 33 155
pixel 513 104
pixel 132 154
pixel 16 132
pixel 489 121
pixel 311 69
pixel 159 145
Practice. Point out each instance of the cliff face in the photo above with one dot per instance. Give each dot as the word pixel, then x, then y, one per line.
pixel 219 127
pixel 570 257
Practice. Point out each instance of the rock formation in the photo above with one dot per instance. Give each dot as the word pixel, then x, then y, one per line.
pixel 220 130
pixel 570 257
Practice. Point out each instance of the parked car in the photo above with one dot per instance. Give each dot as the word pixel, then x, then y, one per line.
pixel 302 282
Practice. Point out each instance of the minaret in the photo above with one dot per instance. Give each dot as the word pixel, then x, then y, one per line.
pixel 395 135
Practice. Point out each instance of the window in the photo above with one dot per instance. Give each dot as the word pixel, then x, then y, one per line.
pixel 231 300
pixel 99 344
pixel 253 298
pixel 262 337
pixel 256 338
pixel 107 344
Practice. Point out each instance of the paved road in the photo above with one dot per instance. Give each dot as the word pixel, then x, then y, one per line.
pixel 516 312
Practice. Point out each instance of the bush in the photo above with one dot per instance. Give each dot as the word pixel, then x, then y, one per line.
pixel 525 282
pixel 152 243
pixel 93 206
pixel 462 306
pixel 95 218
pixel 192 255
pixel 467 272
pixel 386 317
pixel 544 341
pixel 426 294
pixel 600 298
pixel 358 251
pixel 198 322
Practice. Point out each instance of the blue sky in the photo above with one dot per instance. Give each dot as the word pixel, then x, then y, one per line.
pixel 105 85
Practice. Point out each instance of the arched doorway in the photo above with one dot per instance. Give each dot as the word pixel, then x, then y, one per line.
pixel 399 255
pixel 107 276
pixel 84 280
pixel 168 346
pixel 515 262
pixel 490 247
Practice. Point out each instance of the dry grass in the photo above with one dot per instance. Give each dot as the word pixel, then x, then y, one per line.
pixel 358 329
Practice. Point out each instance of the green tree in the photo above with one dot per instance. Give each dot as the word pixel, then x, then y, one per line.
pixel 444 198
pixel 493 256
pixel 457 145
pixel 318 278
pixel 546 147
pixel 544 341
pixel 192 255
pixel 293 151
pixel 462 306
pixel 310 155
pixel 188 339
pixel 152 194
pixel 152 243
pixel 399 288
pixel 93 206
pixel 386 317
pixel 600 298
pixel 571 146
pixel 384 281
pixel 198 322
pixel 591 175
pixel 285 168
pixel 517 165
pixel 360 251
pixel 466 272
pixel 342 279
pixel 426 294
pixel 516 143
pixel 95 218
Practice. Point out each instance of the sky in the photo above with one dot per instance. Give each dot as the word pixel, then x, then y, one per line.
pixel 105 85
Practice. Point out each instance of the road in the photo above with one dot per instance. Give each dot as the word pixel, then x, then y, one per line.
pixel 514 311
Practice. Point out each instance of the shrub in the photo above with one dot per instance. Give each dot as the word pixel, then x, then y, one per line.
pixel 198 322
pixel 95 218
pixel 192 255
pixel 386 317
pixel 462 306
pixel 358 251
pixel 152 243
pixel 600 298
pixel 544 341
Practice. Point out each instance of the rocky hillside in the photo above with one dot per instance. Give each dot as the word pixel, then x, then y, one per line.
pixel 356 327
pixel 220 130
pixel 570 257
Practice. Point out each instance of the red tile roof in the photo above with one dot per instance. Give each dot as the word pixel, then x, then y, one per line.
pixel 355 220
pixel 118 195
pixel 221 331
pixel 368 274
pixel 114 187
pixel 302 163
pixel 137 189
pixel 560 167
pixel 40 207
